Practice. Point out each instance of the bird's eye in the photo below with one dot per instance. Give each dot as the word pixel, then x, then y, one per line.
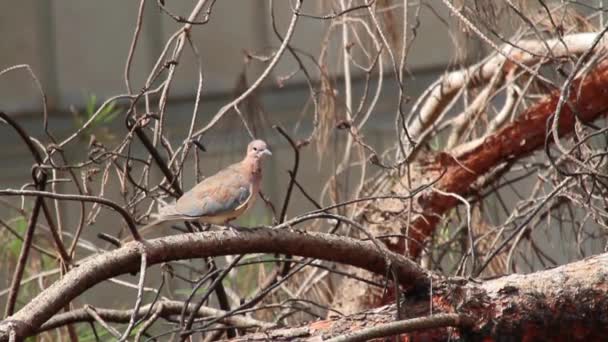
pixel 255 148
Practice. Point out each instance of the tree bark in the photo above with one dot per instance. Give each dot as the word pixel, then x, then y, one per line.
pixel 164 308
pixel 566 303
pixel 126 259
pixel 525 135
pixel 587 102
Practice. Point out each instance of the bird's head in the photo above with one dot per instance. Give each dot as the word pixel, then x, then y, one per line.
pixel 257 150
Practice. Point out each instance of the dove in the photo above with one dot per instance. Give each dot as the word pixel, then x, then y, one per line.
pixel 220 198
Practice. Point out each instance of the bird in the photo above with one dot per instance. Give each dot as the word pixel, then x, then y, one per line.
pixel 220 198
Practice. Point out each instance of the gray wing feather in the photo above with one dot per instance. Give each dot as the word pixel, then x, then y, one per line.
pixel 212 198
pixel 210 206
pixel 186 205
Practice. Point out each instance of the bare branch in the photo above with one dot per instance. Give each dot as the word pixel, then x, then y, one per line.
pixel 400 327
pixel 84 198
pixel 516 140
pixel 167 309
pixel 261 240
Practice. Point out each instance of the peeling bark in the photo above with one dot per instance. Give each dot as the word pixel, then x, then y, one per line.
pixel 566 303
pixel 588 99
pixel 528 53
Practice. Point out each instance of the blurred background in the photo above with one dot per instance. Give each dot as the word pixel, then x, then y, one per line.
pixel 78 50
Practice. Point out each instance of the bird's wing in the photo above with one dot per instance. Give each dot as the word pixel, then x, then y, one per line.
pixel 223 193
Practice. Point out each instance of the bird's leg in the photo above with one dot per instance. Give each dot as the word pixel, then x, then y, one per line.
pixel 199 226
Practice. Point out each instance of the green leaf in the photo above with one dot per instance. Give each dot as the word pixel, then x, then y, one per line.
pixel 14 246
pixel 90 107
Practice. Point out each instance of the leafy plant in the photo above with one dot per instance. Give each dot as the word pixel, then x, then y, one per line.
pixel 105 116
pixel 13 247
pixel 10 253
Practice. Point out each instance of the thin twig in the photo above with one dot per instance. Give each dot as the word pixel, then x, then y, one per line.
pixel 401 327
pixel 83 198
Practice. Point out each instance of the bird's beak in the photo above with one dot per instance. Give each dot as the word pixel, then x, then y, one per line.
pixel 267 152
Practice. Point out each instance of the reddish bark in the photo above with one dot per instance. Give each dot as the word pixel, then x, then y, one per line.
pixel 567 303
pixel 518 139
pixel 588 99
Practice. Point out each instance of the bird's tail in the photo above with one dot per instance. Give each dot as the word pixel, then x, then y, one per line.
pixel 152 224
pixel 166 212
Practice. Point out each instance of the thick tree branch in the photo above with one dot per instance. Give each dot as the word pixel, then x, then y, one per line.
pixel 587 102
pixel 126 259
pixel 566 303
pixel 526 52
pixel 514 141
pixel 401 327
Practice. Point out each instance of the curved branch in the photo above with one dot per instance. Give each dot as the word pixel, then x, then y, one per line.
pixel 587 102
pixel 164 308
pixel 83 198
pixel 566 303
pixel 261 78
pixel 526 52
pixel 401 327
pixel 198 245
